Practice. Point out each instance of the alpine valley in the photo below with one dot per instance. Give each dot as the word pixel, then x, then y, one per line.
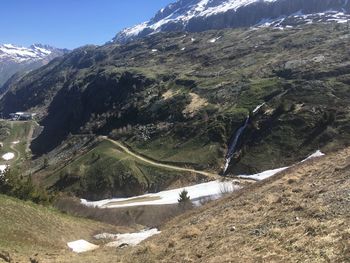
pixel 205 91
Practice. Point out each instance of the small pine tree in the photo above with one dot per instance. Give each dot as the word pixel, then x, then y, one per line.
pixel 184 198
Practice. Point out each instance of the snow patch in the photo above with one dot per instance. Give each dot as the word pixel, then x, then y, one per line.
pixel 16 142
pixel 8 156
pixel 269 173
pixel 131 239
pixel 316 154
pixel 213 40
pixel 258 107
pixel 263 175
pixel 3 168
pixel 212 189
pixel 81 246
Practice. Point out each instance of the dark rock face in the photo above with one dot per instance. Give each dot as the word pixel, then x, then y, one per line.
pixel 72 107
pixel 176 17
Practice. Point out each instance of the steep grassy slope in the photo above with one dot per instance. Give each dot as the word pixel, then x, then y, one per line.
pixel 27 229
pixel 301 215
pixel 181 97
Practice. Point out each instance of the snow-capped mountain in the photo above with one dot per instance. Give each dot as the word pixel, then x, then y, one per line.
pixel 15 59
pixel 201 15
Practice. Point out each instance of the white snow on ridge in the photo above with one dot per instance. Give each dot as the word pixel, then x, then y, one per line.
pixel 200 9
pixel 212 189
pixel 131 239
pixel 133 31
pixel 23 54
pixel 230 5
pixel 325 17
pixel 81 246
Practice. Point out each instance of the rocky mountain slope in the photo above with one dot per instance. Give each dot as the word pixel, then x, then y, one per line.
pixel 201 15
pixel 15 59
pixel 181 98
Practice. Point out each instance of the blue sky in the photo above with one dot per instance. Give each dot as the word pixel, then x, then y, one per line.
pixel 71 23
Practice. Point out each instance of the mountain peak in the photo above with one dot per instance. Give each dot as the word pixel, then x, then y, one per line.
pixel 19 54
pixel 201 15
pixel 15 59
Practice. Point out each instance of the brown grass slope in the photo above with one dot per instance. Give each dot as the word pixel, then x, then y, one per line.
pixel 29 230
pixel 301 215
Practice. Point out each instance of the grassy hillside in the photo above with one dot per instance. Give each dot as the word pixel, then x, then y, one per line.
pixel 27 229
pixel 301 215
pixel 105 171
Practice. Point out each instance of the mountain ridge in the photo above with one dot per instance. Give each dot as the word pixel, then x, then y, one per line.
pixel 201 15
pixel 17 59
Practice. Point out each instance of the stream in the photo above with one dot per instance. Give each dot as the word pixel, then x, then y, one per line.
pixel 232 148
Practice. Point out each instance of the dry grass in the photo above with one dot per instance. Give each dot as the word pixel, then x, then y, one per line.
pixel 301 215
pixel 169 94
pixel 196 104
pixel 27 229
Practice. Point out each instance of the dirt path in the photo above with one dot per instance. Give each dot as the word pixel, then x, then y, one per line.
pixel 30 136
pixel 154 163
pixel 18 154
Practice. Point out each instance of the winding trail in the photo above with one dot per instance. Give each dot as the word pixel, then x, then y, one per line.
pixel 18 154
pixel 154 163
